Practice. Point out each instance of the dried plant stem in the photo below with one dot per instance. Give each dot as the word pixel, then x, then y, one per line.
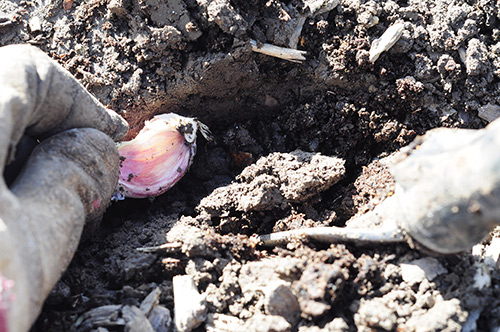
pixel 336 234
pixel 284 53
pixel 169 247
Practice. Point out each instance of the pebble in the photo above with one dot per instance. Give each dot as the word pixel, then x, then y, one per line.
pixel 418 270
pixel 279 300
pixel 190 309
pixel 160 319
pixel 489 112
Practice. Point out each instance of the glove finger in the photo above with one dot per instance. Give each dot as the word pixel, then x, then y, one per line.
pixel 67 181
pixel 41 97
pixel 449 188
pixel 81 163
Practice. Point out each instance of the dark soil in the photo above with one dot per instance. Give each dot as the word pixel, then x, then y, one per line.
pixel 145 57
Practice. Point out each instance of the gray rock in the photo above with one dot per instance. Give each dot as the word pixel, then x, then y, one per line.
pixel 279 300
pixel 150 301
pixel 129 318
pixel 135 320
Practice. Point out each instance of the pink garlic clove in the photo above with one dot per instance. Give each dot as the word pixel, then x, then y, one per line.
pixel 158 156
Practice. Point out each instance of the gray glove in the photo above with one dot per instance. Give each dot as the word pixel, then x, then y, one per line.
pixel 448 189
pixel 67 181
pixel 447 195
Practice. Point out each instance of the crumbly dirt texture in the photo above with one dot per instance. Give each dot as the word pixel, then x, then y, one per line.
pixel 296 145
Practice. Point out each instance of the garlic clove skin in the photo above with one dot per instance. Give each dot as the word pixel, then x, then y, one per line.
pixel 158 157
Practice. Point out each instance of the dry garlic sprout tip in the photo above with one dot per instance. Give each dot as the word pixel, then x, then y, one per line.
pixel 205 131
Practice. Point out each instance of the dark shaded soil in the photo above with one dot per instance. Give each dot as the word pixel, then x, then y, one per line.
pixel 145 57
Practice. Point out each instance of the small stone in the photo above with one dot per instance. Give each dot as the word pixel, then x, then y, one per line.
pixel 160 319
pixel 35 24
pixel 280 301
pixel 489 112
pixel 190 308
pixel 418 270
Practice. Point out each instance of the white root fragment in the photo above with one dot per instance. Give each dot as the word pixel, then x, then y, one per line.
pixel 336 234
pixel 386 41
pixel 279 52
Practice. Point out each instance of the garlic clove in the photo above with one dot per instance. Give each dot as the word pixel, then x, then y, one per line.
pixel 158 157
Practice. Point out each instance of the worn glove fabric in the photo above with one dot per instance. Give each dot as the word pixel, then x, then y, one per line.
pixel 66 183
pixel 448 188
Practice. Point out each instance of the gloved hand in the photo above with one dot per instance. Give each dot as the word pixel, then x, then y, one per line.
pixel 67 182
pixel 447 196
pixel 448 188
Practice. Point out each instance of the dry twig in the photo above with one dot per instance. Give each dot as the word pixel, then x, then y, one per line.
pixel 336 234
pixel 284 53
